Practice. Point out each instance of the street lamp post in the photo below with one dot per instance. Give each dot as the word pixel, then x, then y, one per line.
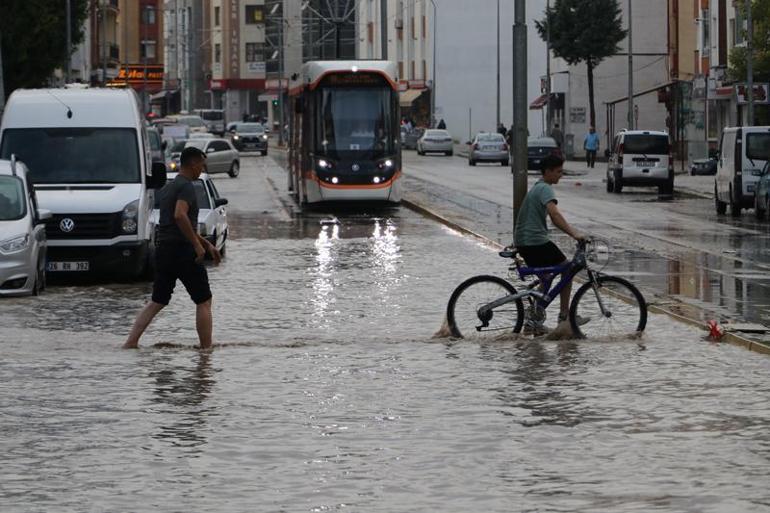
pixel 749 66
pixel 433 92
pixel 630 71
pixel 68 60
pixel 497 124
pixel 519 139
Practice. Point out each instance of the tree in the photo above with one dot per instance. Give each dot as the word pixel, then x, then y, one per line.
pixel 34 39
pixel 584 31
pixel 760 15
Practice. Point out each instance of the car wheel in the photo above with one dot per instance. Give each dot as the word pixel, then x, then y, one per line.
pixel 505 163
pixel 471 162
pixel 449 153
pixel 617 185
pixel 721 206
pixel 235 169
pixel 609 183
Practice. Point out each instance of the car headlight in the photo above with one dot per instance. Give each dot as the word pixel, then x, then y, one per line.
pixel 172 166
pixel 14 245
pixel 129 216
pixel 264 138
pixel 202 229
pixel 236 137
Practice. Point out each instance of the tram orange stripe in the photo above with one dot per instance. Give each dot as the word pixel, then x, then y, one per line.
pixel 313 176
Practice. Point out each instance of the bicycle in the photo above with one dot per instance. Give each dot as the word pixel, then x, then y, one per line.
pixel 488 305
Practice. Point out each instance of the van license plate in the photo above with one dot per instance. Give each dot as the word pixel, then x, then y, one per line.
pixel 646 163
pixel 67 266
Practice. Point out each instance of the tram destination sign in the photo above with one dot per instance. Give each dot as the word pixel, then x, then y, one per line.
pixel 354 79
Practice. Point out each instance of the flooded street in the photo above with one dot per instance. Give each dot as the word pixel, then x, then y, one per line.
pixel 328 392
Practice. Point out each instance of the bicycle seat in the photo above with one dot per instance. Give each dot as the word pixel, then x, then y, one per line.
pixel 509 252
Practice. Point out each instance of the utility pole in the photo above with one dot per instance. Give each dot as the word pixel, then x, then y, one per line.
pixel 749 65
pixel 548 110
pixel 68 60
pixel 433 85
pixel 2 86
pixel 103 19
pixel 630 71
pixel 519 154
pixel 497 124
pixel 383 29
pixel 280 77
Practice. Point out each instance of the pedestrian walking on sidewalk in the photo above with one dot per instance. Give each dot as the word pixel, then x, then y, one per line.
pixel 591 145
pixel 441 125
pixel 558 136
pixel 180 251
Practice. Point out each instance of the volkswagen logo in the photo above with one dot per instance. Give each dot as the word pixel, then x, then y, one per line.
pixel 355 167
pixel 67 225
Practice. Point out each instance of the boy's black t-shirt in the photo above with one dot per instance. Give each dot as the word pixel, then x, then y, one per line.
pixel 181 188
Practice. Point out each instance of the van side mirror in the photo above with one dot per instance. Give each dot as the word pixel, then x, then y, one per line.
pixel 44 215
pixel 157 178
pixel 220 202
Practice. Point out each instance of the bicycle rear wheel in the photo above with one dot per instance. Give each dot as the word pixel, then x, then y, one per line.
pixel 621 313
pixel 464 314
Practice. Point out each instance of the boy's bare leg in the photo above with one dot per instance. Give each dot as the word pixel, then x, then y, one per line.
pixel 204 323
pixel 145 317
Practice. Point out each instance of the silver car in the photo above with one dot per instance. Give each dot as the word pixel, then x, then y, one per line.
pixel 221 157
pixel 435 141
pixel 488 147
pixel 22 233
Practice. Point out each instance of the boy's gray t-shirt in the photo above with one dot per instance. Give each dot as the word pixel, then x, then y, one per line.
pixel 531 229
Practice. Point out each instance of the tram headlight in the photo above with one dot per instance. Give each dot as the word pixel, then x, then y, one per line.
pixel 335 180
pixel 376 179
pixel 324 164
pixel 386 164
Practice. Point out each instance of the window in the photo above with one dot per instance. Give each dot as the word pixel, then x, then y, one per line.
pixel 147 50
pixel 217 53
pixel 12 202
pixel 254 52
pixel 148 15
pixel 706 32
pixel 255 14
pixel 216 16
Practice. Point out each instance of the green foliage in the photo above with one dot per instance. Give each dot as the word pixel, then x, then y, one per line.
pixel 760 14
pixel 584 31
pixel 34 39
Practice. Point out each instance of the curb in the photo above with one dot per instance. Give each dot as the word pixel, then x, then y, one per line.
pixel 729 337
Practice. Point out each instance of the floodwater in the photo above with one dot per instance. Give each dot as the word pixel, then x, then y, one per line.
pixel 329 393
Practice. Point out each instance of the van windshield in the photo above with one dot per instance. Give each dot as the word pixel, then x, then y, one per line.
pixel 12 204
pixel 645 144
pixel 75 155
pixel 212 115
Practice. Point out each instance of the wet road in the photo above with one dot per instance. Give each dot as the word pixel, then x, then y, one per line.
pixel 329 392
pixel 678 249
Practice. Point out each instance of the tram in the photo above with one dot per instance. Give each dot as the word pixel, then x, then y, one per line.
pixel 344 137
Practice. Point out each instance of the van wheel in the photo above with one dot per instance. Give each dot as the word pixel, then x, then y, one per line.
pixel 37 286
pixel 617 185
pixel 609 184
pixel 234 169
pixel 666 189
pixel 721 206
pixel 735 208
pixel 759 208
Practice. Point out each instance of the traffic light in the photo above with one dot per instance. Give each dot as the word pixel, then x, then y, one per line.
pixel 275 103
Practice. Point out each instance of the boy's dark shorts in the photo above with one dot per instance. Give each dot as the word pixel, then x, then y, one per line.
pixel 177 262
pixel 544 255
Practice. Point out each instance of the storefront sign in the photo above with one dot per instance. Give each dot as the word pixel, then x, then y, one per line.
pixel 577 115
pixel 138 75
pixel 234 42
pixel 760 93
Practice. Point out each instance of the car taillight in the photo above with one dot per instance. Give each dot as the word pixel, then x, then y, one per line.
pixel 505 147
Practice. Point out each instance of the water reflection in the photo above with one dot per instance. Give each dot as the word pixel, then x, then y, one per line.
pixel 180 392
pixel 324 277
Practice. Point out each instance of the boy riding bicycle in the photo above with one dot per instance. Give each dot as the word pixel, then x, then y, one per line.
pixel 531 238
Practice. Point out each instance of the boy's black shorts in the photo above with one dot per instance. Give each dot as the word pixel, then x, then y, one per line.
pixel 544 255
pixel 177 262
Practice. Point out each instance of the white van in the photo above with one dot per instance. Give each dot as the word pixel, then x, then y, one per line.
pixel 214 119
pixel 640 158
pixel 743 152
pixel 89 159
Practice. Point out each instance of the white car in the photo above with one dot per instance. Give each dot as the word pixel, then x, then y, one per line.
pixel 212 211
pixel 23 243
pixel 640 158
pixel 221 157
pixel 435 141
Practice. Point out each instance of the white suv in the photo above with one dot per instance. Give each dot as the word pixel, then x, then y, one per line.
pixel 640 158
pixel 22 233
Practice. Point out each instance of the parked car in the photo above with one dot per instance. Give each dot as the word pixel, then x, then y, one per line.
pixel 221 157
pixel 640 158
pixel 435 141
pixel 202 135
pixel 762 197
pixel 488 147
pixel 172 153
pixel 704 167
pixel 249 137
pixel 214 119
pixel 212 211
pixel 743 152
pixel 195 123
pixel 411 137
pixel 23 244
pixel 539 148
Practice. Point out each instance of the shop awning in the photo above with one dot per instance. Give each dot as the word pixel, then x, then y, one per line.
pixel 162 95
pixel 407 97
pixel 539 102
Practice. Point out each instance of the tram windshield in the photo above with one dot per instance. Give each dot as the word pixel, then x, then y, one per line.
pixel 355 122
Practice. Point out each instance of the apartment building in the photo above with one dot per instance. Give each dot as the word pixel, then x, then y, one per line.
pixel 408 29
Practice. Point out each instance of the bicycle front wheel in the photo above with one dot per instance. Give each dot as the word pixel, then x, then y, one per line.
pixel 610 309
pixel 467 316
